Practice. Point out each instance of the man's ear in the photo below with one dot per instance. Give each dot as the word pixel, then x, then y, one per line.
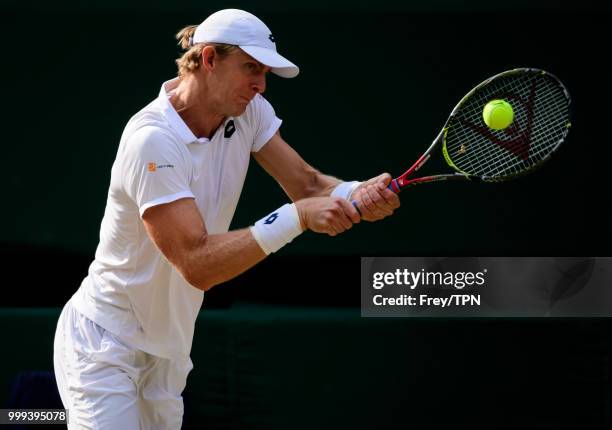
pixel 209 56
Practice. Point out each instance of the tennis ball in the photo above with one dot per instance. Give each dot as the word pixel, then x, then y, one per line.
pixel 498 114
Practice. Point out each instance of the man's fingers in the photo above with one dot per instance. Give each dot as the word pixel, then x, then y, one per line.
pixel 340 218
pixel 352 216
pixel 390 197
pixel 367 202
pixel 344 223
pixel 384 179
pixel 340 225
pixel 378 200
pixel 374 199
pixel 363 209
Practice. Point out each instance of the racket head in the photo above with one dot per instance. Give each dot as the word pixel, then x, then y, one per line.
pixel 542 119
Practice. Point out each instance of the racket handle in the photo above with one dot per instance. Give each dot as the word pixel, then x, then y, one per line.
pixel 394 186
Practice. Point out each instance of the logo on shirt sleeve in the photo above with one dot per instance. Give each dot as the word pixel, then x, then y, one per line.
pixel 152 167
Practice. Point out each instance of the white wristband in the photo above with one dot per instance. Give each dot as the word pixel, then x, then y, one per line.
pixel 345 189
pixel 277 229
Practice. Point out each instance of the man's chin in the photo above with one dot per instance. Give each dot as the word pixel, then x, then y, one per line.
pixel 239 110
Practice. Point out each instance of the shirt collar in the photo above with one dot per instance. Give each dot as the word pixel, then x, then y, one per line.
pixel 172 116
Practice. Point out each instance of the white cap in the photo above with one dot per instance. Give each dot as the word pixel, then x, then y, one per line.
pixel 245 30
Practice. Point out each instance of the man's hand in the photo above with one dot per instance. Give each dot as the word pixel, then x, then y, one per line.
pixel 374 200
pixel 331 215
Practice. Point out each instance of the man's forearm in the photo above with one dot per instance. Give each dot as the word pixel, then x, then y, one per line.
pixel 221 257
pixel 321 185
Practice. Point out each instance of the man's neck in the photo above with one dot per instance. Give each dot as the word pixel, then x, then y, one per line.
pixel 189 102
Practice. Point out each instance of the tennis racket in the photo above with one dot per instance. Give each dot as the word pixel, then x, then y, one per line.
pixel 541 123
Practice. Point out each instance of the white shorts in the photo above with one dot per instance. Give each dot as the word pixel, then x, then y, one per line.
pixel 106 384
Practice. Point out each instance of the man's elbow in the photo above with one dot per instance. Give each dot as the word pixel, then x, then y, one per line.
pixel 192 266
pixel 197 280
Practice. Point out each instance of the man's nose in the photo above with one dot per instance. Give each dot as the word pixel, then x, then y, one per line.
pixel 259 84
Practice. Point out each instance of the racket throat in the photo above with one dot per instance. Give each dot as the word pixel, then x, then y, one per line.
pixel 397 184
pixel 420 162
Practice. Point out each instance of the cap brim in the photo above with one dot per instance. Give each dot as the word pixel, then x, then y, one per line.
pixel 278 64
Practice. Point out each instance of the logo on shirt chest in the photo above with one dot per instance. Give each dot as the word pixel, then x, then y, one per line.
pixel 230 128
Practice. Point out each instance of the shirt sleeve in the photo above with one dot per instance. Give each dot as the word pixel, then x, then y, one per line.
pixel 155 169
pixel 264 122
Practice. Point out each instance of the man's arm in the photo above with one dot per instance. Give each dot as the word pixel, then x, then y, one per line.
pixel 205 260
pixel 299 180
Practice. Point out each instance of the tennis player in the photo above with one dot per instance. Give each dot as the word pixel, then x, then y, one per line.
pixel 123 341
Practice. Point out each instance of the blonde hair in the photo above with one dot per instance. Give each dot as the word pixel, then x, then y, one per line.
pixel 190 60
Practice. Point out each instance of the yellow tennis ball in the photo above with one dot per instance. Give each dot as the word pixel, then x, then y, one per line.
pixel 498 114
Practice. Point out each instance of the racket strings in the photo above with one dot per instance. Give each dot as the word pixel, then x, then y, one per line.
pixel 543 138
pixel 494 159
pixel 479 159
pixel 541 116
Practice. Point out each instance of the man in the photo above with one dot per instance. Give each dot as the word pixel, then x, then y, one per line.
pixel 123 340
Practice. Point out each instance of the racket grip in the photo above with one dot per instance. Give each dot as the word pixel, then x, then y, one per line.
pixel 394 186
pixel 356 207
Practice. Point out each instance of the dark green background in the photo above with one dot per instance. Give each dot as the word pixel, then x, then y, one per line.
pixel 377 81
pixel 302 368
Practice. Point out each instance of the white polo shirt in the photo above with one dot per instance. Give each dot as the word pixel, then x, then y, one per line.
pixel 131 289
